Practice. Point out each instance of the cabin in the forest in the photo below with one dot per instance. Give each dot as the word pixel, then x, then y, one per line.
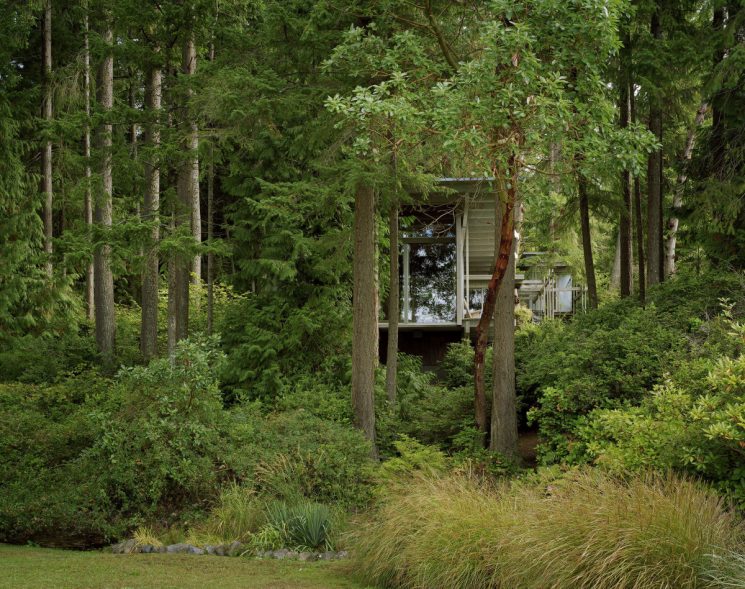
pixel 446 259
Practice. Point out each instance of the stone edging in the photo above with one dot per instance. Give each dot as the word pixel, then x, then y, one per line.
pixel 232 549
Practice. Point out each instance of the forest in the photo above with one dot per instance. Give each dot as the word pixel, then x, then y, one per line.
pixel 440 293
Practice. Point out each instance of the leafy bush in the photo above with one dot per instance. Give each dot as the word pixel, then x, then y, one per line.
pixel 45 494
pixel 584 530
pixel 46 357
pixel 613 357
pixel 295 455
pixel 91 458
pixel 700 432
pixel 103 456
pixel 159 436
pixel 426 410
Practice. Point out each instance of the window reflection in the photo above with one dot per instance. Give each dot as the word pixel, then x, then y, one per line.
pixel 432 282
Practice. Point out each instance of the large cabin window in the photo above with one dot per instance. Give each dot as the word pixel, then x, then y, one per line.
pixel 427 266
pixel 431 282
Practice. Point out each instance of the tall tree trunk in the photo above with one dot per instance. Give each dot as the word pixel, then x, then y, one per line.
pixel 132 99
pixel 190 68
pixel 174 265
pixel 173 291
pixel 210 237
pixel 46 154
pixel 87 199
pixel 615 272
pixel 151 214
pixel 625 236
pixel 716 138
pixel 584 215
pixel 502 259
pixel 624 225
pixel 102 213
pixel 364 315
pixel 639 220
pixel 638 213
pixel 655 259
pixel 672 224
pixel 503 431
pixel 183 266
pixel 135 288
pixel 393 307
pixel 584 210
pixel 210 228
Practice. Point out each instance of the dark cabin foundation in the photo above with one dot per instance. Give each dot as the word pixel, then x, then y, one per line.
pixel 430 344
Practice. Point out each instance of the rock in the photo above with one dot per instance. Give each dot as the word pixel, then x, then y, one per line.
pixel 180 548
pixel 209 549
pixel 328 555
pixel 221 550
pixel 148 549
pixel 342 554
pixel 281 554
pixel 195 550
pixel 127 547
pixel 307 556
pixel 235 549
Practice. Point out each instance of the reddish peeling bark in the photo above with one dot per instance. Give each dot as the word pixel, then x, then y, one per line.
pixel 501 263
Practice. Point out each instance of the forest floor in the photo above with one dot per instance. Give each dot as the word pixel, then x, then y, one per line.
pixel 23 567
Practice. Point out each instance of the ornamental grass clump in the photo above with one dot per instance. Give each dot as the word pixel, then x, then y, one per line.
pixel 237 515
pixel 304 525
pixel 587 530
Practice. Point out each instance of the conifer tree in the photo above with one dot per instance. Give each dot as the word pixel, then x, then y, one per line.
pixel 46 156
pixel 103 201
pixel 87 196
pixel 655 259
pixel 151 214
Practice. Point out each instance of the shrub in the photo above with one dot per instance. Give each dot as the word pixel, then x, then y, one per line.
pixel 613 357
pixel 47 357
pixel 425 409
pixel 45 494
pixel 90 459
pixel 100 457
pixel 585 530
pixel 159 436
pixel 303 525
pixel 700 430
pixel 296 455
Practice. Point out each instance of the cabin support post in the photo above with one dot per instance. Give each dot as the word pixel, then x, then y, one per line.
pixel 407 283
pixel 467 238
pixel 459 301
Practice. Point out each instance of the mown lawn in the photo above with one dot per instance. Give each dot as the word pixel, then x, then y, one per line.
pixel 25 567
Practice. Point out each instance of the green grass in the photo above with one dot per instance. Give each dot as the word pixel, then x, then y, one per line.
pixel 24 567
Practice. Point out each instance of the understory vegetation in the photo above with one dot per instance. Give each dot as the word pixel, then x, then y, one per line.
pixel 167 453
pixel 633 388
